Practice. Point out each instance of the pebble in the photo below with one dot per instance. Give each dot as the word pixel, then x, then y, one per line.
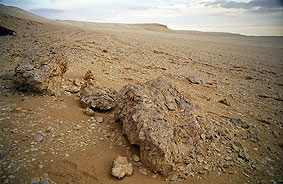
pixel 136 158
pixel 40 166
pixel 99 119
pixel 143 171
pixel 77 127
pixel 35 180
pixel 193 80
pixel 154 176
pixel 37 138
pixel 199 159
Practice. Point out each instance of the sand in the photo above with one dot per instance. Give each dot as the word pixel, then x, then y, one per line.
pixel 247 71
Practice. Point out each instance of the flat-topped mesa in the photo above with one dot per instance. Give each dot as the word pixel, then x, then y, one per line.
pixel 158 119
pixel 41 70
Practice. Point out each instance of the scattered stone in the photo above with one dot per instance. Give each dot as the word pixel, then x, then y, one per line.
pixel 173 177
pixel 99 119
pixel 240 122
pixel 41 71
pixel 89 111
pixel 37 138
pixel 121 168
pixel 147 111
pixel 225 102
pixel 136 158
pixel 143 171
pixel 77 82
pixel 35 180
pixel 193 80
pixel 97 97
pixel 89 75
pixel 78 127
pixel 154 176
pixel 25 99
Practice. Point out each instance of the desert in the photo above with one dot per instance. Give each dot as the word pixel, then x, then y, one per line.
pixel 86 102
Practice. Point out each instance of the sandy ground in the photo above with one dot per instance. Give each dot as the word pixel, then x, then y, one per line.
pixel 247 71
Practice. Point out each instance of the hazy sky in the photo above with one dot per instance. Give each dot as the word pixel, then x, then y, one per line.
pixel 250 17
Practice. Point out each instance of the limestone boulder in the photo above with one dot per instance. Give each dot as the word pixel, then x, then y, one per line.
pixel 160 120
pixel 41 70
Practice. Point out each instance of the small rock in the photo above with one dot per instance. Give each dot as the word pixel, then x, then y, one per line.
pixel 99 119
pixel 173 177
pixel 37 138
pixel 136 158
pixel 40 166
pixel 89 111
pixel 89 75
pixel 154 176
pixel 121 168
pixel 240 122
pixel 25 99
pixel 199 159
pixel 143 171
pixel 35 180
pixel 193 80
pixel 78 127
pixel 225 102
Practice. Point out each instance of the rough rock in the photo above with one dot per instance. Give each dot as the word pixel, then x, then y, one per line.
pixel 158 119
pixel 225 102
pixel 121 167
pixel 37 138
pixel 41 71
pixel 5 31
pixel 89 75
pixel 193 80
pixel 240 122
pixel 89 111
pixel 97 97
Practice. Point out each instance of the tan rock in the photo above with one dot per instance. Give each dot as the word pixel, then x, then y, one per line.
pixel 121 168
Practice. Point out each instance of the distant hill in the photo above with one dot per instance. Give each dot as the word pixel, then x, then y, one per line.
pixel 17 12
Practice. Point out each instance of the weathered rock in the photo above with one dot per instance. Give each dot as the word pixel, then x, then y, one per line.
pixel 41 71
pixel 5 31
pixel 225 102
pixel 97 97
pixel 193 80
pixel 158 119
pixel 89 111
pixel 121 167
pixel 89 75
pixel 37 138
pixel 240 122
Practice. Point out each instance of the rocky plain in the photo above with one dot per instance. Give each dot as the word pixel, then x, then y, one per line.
pixel 84 102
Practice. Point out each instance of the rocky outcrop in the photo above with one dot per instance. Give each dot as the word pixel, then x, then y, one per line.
pixel 41 71
pixel 121 168
pixel 97 97
pixel 158 119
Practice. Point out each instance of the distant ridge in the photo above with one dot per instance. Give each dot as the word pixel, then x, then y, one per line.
pixel 19 13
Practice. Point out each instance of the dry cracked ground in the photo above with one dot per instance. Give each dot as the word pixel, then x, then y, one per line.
pixel 240 77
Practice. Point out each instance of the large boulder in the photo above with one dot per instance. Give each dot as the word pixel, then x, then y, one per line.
pixel 41 71
pixel 157 118
pixel 97 97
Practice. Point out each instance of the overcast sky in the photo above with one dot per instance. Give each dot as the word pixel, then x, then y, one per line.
pixel 249 17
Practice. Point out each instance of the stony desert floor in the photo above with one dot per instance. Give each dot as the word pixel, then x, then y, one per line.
pixel 246 73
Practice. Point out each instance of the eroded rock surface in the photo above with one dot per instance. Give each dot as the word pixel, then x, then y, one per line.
pixel 121 167
pixel 160 120
pixel 173 140
pixel 97 97
pixel 41 70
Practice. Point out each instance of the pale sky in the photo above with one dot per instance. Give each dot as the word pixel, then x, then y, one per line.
pixel 249 17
